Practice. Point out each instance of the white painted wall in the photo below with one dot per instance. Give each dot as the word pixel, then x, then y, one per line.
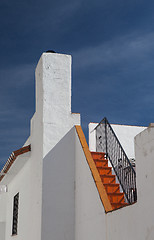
pixel 137 221
pixel 125 134
pixel 91 222
pixel 3 207
pixel 72 208
pixel 58 196
pixel 2 215
pixel 92 137
pixel 51 121
pixel 144 148
pixel 25 177
pixel 28 186
pixel 89 211
pixel 2 230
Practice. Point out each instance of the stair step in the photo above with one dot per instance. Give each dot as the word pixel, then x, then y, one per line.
pixel 116 197
pixel 119 205
pixel 107 178
pixel 98 155
pixel 105 170
pixel 112 187
pixel 101 163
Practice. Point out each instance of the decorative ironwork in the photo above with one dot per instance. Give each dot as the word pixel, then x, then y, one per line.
pixel 15 214
pixel 107 141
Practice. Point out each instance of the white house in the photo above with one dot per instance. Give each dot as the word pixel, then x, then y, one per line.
pixel 57 188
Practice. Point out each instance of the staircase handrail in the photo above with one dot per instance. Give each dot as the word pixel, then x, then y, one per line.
pixel 115 153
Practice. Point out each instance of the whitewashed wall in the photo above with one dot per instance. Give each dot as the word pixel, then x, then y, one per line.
pixel 137 221
pixel 26 182
pixel 2 215
pixel 51 121
pixel 25 177
pixel 90 216
pixel 3 207
pixel 125 134
pixel 130 223
pixel 58 196
pixel 72 208
pixel 53 95
pixel 2 230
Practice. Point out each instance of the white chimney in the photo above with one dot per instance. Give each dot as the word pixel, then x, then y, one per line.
pixel 53 98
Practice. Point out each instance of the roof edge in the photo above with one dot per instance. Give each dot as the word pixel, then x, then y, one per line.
pixel 12 159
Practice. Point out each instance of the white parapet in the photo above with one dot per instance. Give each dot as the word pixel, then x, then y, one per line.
pixel 53 98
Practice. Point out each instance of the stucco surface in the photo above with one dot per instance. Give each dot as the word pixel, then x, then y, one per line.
pixel 53 97
pixel 72 208
pixel 2 230
pixel 51 121
pixel 130 223
pixel 2 207
pixel 137 221
pixel 58 196
pixel 89 211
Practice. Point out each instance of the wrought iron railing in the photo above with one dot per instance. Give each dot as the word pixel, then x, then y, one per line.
pixel 107 141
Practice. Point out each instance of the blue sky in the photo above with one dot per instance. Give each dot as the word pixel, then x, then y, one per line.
pixel 112 45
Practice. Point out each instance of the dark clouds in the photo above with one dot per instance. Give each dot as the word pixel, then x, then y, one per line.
pixel 112 44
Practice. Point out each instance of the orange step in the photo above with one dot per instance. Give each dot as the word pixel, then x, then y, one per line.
pixel 101 163
pixel 119 205
pixel 108 178
pixel 112 187
pixel 98 155
pixel 116 197
pixel 104 170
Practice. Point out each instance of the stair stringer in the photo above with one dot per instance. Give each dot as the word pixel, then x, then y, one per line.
pixel 96 176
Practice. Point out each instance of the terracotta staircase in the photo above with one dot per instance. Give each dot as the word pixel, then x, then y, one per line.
pixel 116 197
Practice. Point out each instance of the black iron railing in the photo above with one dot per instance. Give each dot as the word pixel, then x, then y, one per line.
pixel 107 141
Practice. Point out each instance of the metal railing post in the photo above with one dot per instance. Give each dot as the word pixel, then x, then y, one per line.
pixel 106 138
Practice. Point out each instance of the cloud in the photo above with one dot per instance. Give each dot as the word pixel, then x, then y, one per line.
pixel 17 75
pixel 16 108
pixel 115 79
pixel 131 47
pixel 123 63
pixel 50 18
pixel 16 82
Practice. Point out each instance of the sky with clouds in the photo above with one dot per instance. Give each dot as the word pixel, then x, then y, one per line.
pixel 112 45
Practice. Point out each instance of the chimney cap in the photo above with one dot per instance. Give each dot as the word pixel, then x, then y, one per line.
pixel 50 51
